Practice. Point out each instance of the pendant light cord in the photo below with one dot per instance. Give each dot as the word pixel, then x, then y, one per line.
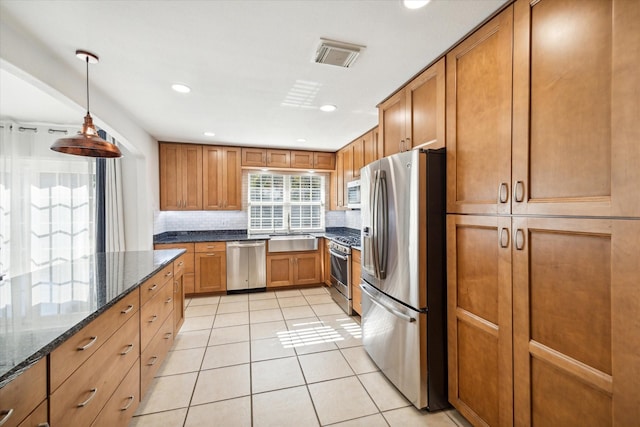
pixel 87 60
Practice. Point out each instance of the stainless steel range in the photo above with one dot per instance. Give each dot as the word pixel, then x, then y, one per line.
pixel 340 250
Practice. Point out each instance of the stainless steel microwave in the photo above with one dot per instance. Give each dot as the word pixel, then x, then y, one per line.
pixel 353 194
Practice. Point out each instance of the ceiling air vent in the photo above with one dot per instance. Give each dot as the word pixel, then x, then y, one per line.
pixel 337 53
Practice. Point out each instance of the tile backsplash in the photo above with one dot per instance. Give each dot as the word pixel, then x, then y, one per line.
pixel 232 220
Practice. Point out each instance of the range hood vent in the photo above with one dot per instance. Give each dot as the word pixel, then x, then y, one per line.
pixel 337 53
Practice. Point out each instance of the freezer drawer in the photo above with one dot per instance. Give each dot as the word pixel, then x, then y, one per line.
pixel 395 338
pixel 246 265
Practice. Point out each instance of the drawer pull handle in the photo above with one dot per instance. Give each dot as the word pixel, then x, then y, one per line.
pixel 504 238
pixel 127 310
pixel 503 192
pixel 128 405
pixel 211 254
pixel 6 414
pixel 180 263
pixel 168 300
pixel 152 361
pixel 94 391
pixel 153 288
pixel 167 335
pixel 519 239
pixel 43 425
pixel 89 344
pixel 153 318
pixel 518 191
pixel 129 348
pixel 169 273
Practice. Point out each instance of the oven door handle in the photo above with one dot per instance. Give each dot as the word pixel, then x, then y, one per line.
pixel 339 255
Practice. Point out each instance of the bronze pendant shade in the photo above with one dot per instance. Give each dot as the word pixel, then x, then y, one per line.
pixel 87 142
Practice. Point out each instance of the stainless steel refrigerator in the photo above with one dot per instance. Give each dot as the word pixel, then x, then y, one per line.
pixel 404 273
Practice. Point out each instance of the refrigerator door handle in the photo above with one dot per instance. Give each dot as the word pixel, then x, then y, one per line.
pixel 374 223
pixel 382 261
pixel 391 310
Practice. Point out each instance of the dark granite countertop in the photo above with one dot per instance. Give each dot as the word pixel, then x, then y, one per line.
pixel 231 235
pixel 42 309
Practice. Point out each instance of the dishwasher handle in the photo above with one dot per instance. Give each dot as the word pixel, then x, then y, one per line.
pixel 245 245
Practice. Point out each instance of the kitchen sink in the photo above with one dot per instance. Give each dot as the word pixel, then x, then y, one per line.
pixel 293 242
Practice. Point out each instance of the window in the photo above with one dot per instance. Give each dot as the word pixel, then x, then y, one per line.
pixel 284 203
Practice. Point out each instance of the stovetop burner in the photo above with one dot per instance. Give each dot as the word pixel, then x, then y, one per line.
pixel 348 240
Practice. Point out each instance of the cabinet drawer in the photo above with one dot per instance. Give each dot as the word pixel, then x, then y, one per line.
pixel 152 358
pixel 23 394
pixel 124 401
pixel 211 246
pixel 65 359
pixel 38 417
pixel 154 312
pixel 186 246
pixel 82 396
pixel 152 286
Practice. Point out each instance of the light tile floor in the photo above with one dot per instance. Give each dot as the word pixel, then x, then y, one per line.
pixel 283 358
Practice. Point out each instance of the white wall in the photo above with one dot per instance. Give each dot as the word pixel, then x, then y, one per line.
pixel 21 55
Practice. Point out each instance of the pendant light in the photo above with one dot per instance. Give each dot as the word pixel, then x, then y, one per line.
pixel 87 142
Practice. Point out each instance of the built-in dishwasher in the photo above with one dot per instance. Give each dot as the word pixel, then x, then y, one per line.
pixel 246 266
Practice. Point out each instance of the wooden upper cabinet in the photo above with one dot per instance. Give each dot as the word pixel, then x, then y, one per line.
pixel 357 154
pixel 415 116
pixel 478 101
pixel 347 164
pixel 370 147
pixel 575 107
pixel 338 184
pixel 392 124
pixel 278 158
pixel 180 176
pixel 302 159
pixel 222 170
pixel 254 157
pixel 322 160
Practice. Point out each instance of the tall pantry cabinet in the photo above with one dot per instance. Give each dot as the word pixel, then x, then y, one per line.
pixel 543 226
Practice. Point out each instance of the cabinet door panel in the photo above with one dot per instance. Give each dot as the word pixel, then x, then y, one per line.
pixel 571 328
pixel 479 119
pixel 568 154
pixel 279 270
pixel 212 176
pixel 324 160
pixel 232 179
pixel 192 177
pixel 357 148
pixel 392 124
pixel 302 159
pixel 211 272
pixel 425 97
pixel 254 157
pixel 479 318
pixel 278 158
pixel 306 269
pixel 369 147
pixel 170 178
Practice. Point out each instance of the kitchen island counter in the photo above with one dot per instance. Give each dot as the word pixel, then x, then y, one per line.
pixel 42 309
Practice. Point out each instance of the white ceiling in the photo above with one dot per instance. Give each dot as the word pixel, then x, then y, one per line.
pixel 242 59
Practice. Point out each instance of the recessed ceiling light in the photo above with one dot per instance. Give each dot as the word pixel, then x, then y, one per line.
pixel 301 140
pixel 209 134
pixel 180 88
pixel 415 4
pixel 328 108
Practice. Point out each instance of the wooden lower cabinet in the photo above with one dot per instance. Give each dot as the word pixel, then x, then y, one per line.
pixel 38 418
pixel 479 298
pixel 25 396
pixel 81 397
pixel 189 268
pixel 355 281
pixel 152 357
pixel 576 349
pixel 154 312
pixel 327 263
pixel 178 304
pixel 540 329
pixel 123 403
pixel 302 268
pixel 211 269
